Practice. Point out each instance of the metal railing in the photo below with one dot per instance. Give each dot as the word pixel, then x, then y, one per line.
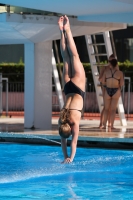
pixel 126 93
pixel 16 98
pixel 1 92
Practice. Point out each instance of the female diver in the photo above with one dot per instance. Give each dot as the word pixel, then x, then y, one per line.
pixel 74 89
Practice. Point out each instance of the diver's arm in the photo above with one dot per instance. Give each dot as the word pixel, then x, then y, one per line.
pixel 64 147
pixel 75 131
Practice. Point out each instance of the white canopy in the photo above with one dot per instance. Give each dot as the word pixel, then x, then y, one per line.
pixel 96 10
pixel 19 29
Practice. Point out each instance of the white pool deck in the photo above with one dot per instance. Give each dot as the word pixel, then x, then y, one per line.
pixel 12 130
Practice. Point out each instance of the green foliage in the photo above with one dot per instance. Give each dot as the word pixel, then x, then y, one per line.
pixel 126 67
pixel 15 71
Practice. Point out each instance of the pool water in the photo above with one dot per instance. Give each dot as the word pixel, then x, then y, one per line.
pixel 35 172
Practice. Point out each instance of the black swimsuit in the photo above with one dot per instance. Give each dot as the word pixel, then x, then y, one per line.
pixel 112 91
pixel 70 87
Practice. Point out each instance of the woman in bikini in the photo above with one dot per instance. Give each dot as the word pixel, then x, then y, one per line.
pixel 103 90
pixel 113 79
pixel 74 89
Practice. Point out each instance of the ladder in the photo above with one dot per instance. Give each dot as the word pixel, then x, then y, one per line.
pixel 94 55
pixel 57 82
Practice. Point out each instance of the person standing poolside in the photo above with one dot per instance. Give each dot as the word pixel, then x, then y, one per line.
pixel 113 78
pixel 103 91
pixel 74 89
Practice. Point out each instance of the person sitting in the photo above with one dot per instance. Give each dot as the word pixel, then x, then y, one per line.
pixel 74 89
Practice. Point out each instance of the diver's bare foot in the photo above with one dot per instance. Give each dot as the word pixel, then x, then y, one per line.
pixel 66 23
pixel 60 23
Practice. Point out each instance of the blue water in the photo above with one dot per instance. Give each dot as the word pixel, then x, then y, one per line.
pixel 35 172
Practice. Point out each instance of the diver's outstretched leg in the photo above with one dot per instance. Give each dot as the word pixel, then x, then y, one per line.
pixel 64 52
pixel 78 73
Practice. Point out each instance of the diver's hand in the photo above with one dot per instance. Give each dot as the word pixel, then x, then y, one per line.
pixel 67 160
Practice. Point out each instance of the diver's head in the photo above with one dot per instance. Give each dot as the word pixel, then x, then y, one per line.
pixel 65 130
pixel 64 123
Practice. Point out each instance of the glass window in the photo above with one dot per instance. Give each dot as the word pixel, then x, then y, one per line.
pixel 124 49
pixel 129 49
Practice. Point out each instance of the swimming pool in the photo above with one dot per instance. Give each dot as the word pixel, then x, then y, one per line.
pixel 34 172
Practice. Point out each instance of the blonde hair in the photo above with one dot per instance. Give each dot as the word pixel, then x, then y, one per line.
pixel 64 127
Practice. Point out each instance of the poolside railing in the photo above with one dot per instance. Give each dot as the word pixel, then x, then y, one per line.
pixel 16 98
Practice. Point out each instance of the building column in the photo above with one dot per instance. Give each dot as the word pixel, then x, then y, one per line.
pixel 38 85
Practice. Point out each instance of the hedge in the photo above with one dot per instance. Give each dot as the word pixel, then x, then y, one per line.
pixel 126 67
pixel 15 71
